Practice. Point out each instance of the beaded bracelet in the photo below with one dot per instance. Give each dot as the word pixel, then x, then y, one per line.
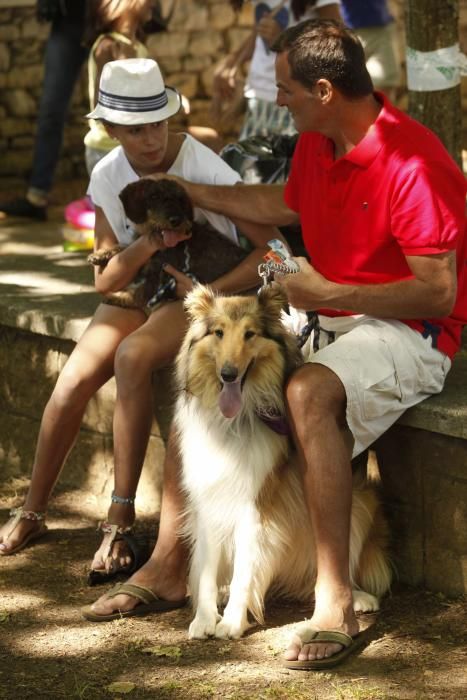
pixel 122 501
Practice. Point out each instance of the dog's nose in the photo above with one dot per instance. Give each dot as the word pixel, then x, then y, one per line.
pixel 229 373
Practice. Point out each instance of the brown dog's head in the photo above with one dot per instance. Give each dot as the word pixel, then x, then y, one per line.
pixel 158 207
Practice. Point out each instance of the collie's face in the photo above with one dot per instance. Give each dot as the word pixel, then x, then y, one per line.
pixel 236 351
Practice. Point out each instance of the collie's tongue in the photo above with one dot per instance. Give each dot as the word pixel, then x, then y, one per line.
pixel 230 399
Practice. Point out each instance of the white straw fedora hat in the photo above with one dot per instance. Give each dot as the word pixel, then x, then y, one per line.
pixel 132 91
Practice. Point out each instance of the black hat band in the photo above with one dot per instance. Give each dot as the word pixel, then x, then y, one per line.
pixel 133 104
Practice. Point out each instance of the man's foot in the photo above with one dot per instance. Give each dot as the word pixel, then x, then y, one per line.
pixel 306 646
pixel 158 578
pixel 22 527
pixel 24 208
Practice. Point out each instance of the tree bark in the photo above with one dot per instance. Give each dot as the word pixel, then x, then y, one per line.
pixel 433 25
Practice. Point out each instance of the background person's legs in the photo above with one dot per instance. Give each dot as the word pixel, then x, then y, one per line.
pixel 64 56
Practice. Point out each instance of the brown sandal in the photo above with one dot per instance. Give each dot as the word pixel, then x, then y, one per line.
pixel 139 548
pixel 17 514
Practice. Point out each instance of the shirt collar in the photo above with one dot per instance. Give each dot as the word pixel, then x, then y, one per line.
pixel 364 153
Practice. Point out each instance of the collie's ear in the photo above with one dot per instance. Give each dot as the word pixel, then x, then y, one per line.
pixel 199 302
pixel 272 299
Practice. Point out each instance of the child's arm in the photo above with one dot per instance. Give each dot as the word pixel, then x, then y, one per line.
pixel 123 267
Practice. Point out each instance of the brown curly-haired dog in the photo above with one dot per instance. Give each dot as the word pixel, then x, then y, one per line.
pixel 205 255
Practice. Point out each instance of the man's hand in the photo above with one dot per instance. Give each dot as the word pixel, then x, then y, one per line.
pixel 184 283
pixel 306 289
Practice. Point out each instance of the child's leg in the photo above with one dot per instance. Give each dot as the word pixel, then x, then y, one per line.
pixel 89 366
pixel 152 346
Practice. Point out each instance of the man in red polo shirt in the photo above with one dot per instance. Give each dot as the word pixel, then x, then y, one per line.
pixel 381 205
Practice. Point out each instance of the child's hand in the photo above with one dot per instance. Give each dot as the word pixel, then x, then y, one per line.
pixel 184 283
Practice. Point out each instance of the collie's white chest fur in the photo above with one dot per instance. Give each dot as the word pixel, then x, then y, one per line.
pixel 225 462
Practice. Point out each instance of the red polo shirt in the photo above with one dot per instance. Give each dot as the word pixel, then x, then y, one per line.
pixel 396 193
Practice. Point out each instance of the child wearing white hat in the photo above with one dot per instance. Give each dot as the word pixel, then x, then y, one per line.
pixel 134 104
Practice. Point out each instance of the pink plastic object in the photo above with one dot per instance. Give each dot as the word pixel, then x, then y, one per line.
pixel 80 214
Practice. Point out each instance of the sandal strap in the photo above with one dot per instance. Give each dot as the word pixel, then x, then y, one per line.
pixel 141 593
pixel 17 514
pixel 106 527
pixel 111 533
pixel 28 514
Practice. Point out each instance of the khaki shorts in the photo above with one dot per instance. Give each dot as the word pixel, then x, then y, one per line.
pixel 385 368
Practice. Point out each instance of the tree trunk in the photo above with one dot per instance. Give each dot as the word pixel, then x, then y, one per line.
pixel 432 25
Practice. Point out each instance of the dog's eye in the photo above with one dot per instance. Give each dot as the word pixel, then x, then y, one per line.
pixel 249 334
pixel 219 333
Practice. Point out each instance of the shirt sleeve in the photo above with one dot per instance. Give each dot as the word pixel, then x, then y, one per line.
pixel 427 214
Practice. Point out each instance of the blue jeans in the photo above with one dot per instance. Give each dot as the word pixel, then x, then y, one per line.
pixel 64 56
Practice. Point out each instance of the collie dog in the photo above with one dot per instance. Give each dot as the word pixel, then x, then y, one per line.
pixel 246 518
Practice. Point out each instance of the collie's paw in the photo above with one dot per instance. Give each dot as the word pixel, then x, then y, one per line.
pixel 227 629
pixel 364 602
pixel 204 625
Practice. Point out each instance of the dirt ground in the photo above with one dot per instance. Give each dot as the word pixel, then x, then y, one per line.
pixel 417 649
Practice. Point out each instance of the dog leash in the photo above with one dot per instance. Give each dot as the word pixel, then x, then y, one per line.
pixel 278 259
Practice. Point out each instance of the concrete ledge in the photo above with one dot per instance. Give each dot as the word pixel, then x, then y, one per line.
pixel 44 290
pixel 424 480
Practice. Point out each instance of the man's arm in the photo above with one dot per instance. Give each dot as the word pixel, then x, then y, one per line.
pixel 259 204
pixel 431 293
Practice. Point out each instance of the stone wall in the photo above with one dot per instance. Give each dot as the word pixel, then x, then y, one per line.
pixel 200 33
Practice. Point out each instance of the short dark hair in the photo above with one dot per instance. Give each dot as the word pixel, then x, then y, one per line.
pixel 326 49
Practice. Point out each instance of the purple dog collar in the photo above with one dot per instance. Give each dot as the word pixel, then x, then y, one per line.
pixel 274 420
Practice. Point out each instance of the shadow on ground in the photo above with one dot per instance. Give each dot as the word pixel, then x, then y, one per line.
pixel 416 649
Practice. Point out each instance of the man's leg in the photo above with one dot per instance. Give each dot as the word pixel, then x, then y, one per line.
pixel 317 402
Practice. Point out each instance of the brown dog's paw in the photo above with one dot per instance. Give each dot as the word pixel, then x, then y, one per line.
pixel 101 257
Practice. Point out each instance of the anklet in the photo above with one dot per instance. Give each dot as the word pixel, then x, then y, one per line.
pixel 122 501
pixel 27 514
